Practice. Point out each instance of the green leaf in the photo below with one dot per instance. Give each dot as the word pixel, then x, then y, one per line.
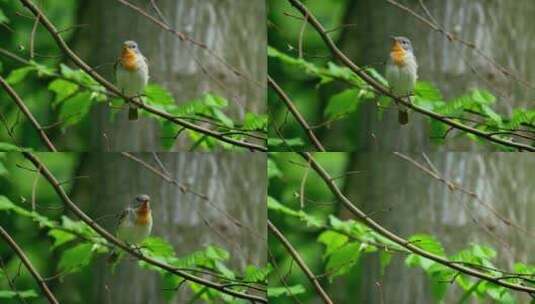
pixel 272 169
pixel 159 95
pixel 343 259
pixel 73 259
pixel 6 203
pixel 215 101
pixel 483 97
pixel 342 103
pixel 274 292
pixel 427 243
pixel 291 142
pixel 222 117
pixel 255 274
pixel 384 260
pixel 60 237
pixel 7 147
pixel 3 17
pixel 168 134
pixel 254 121
pixel 19 74
pixel 10 294
pixel 217 253
pixel 332 241
pixel 427 91
pixel 159 247
pixel 62 89
pixel 75 108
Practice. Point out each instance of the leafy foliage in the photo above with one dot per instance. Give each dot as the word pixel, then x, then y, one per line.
pixel 344 245
pixel 474 108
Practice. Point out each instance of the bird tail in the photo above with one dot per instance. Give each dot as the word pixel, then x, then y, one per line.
pixel 113 257
pixel 133 113
pixel 403 116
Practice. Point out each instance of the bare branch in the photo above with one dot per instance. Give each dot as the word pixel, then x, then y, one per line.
pixel 284 97
pixel 11 242
pixel 20 103
pixel 324 296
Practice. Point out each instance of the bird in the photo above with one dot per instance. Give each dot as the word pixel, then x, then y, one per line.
pixel 135 224
pixel 132 73
pixel 402 73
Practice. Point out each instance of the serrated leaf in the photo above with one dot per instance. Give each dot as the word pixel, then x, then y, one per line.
pixel 62 89
pixel 168 134
pixel 159 247
pixel 427 243
pixel 19 74
pixel 10 294
pixel 3 17
pixel 291 142
pixel 427 91
pixel 255 274
pixel 332 241
pixel 75 108
pixel 60 237
pixel 342 260
pixel 7 147
pixel 342 103
pixel 74 259
pixel 274 292
pixel 158 95
pixel 272 169
pixel 215 101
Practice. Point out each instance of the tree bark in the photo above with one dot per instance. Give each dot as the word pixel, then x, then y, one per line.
pixel 234 217
pixel 229 29
pixel 496 28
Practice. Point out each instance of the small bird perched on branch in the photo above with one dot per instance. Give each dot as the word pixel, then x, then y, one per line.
pixel 135 224
pixel 402 73
pixel 132 74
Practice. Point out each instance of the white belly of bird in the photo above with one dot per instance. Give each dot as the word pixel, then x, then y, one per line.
pixel 130 82
pixel 402 79
pixel 133 233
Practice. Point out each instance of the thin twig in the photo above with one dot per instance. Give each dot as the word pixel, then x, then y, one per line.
pixel 11 242
pixel 20 103
pixel 284 97
pixel 297 257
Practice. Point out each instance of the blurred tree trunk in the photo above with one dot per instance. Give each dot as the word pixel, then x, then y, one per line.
pixel 402 198
pixel 498 28
pixel 229 28
pixel 236 193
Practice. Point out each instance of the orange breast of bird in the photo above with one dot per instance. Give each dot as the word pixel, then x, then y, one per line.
pixel 129 60
pixel 398 54
pixel 143 215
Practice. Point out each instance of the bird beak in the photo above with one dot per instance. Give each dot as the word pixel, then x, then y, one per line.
pixel 394 39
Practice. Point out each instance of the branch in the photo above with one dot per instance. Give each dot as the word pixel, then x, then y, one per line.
pixel 300 262
pixel 20 103
pixel 284 97
pixel 385 91
pixel 11 242
pixel 135 253
pixel 108 85
pixel 401 241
